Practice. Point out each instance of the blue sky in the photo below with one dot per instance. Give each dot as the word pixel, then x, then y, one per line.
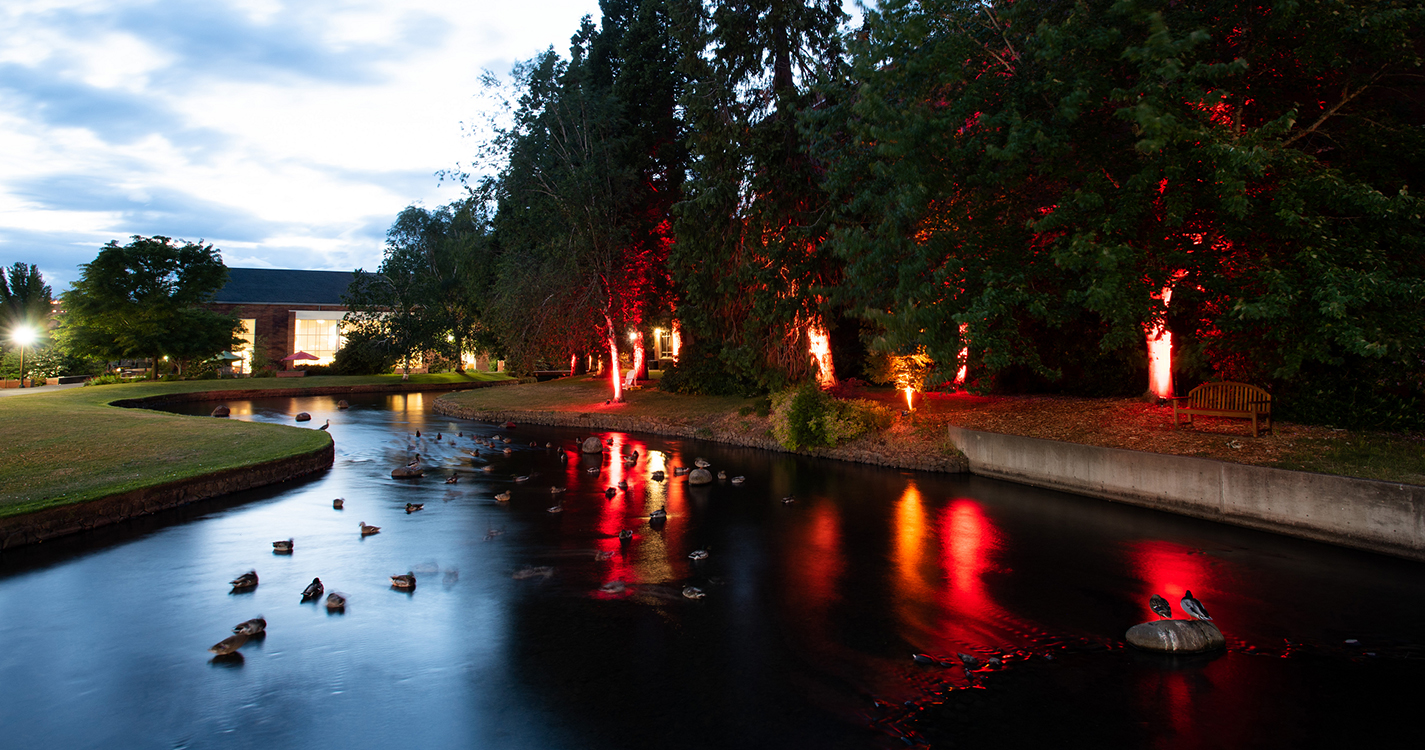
pixel 288 134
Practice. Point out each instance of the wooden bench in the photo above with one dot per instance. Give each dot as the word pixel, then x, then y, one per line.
pixel 291 373
pixel 1225 399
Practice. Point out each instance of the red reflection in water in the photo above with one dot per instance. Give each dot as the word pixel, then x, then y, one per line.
pixel 968 541
pixel 1171 570
pixel 816 558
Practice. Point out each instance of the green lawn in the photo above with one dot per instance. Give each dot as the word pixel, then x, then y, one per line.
pixel 71 446
pixel 1387 457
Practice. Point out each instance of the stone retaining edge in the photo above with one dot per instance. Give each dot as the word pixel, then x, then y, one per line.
pixel 321 390
pixel 1382 517
pixel 917 462
pixel 32 528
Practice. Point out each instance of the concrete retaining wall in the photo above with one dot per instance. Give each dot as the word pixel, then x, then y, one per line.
pixel 1377 516
pixel 69 519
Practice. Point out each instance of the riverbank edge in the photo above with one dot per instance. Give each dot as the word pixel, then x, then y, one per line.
pixel 1382 517
pixel 50 523
pixel 912 460
pixel 320 390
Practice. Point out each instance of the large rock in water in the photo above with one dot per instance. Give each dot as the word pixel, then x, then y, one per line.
pixel 221 411
pixel 700 476
pixel 407 472
pixel 592 445
pixel 1177 636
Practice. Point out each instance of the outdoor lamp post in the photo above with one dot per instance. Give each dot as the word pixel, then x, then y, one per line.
pixel 24 336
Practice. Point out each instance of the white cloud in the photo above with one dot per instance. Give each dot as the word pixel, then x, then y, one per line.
pixel 289 134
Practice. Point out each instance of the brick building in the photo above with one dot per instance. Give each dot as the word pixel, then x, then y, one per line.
pixel 286 311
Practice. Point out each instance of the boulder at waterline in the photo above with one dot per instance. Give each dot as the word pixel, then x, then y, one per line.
pixel 407 472
pixel 700 476
pixel 1177 636
pixel 303 417
pixel 592 445
pixel 221 411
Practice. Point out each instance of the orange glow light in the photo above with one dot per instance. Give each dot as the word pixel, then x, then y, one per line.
pixel 909 398
pixel 1160 348
pixel 820 346
pixel 964 356
pixel 613 361
pixel 677 340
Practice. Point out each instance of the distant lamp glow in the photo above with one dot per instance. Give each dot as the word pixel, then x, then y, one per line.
pixel 819 343
pixel 23 336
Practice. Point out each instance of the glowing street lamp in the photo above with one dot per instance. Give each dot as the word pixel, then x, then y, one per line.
pixel 24 336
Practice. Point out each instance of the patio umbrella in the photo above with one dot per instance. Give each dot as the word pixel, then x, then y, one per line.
pixel 228 357
pixel 297 356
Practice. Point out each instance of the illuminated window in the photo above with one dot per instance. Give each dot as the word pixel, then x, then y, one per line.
pixel 319 338
pixel 244 350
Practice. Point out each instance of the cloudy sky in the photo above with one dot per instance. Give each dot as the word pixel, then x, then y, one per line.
pixel 289 134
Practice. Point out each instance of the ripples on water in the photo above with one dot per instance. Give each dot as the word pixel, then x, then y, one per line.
pixel 531 629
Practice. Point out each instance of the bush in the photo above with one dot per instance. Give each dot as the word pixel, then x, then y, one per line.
pixel 364 354
pixel 807 417
pixel 108 378
pixel 317 369
pixel 265 372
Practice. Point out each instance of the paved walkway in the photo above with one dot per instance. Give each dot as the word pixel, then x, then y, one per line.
pixel 41 389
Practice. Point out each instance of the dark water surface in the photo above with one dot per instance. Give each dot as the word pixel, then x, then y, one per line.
pixel 812 611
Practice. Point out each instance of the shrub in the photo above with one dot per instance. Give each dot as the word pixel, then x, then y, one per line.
pixel 265 372
pixel 807 417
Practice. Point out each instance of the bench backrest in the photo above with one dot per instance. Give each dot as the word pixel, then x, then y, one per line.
pixel 1230 397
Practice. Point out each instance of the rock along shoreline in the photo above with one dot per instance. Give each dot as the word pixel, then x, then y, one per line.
pixel 889 454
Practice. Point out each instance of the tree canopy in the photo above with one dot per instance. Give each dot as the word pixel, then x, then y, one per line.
pixel 429 294
pixel 1026 189
pixel 25 299
pixel 142 300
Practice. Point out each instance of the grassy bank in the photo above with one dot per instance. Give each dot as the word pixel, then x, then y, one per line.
pixel 586 394
pixel 71 446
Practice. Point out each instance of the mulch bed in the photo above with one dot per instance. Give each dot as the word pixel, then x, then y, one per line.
pixel 1129 423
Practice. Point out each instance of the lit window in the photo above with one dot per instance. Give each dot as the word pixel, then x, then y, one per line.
pixel 319 338
pixel 244 350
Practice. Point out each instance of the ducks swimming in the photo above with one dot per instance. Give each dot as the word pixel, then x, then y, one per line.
pixel 658 515
pixel 1160 607
pixel 503 497
pixel 625 536
pixel 610 492
pixel 313 590
pixel 413 507
pixel 701 463
pixel 453 479
pixel 1194 607
pixel 698 554
pixel 283 547
pixel 404 581
pixel 369 530
pixel 338 503
pixel 656 476
pixel 228 645
pixel 693 592
pixel 739 480
pixel 247 580
pixel 251 627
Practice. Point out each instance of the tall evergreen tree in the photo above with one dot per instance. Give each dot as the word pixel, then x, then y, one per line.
pixel 594 162
pixel 751 271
